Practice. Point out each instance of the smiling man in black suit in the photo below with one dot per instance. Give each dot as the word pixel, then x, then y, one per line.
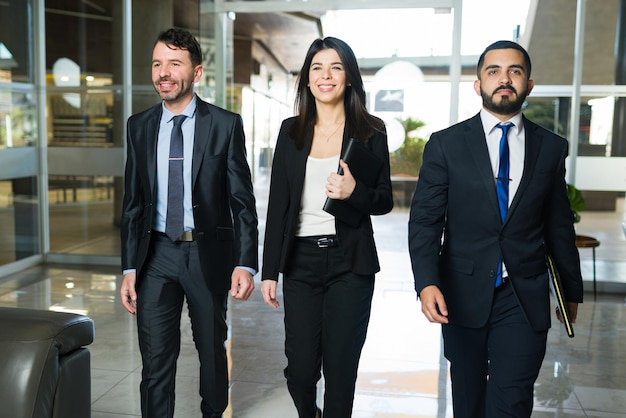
pixel 189 227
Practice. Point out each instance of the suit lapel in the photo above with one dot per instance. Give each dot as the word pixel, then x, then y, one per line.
pixel 477 145
pixel 204 120
pixel 532 145
pixel 152 137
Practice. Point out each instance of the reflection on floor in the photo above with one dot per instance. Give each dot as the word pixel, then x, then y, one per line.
pixel 402 372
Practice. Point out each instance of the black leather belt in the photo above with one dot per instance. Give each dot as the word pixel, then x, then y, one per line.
pixel 187 236
pixel 321 242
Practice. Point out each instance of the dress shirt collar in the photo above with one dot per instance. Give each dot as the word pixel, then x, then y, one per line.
pixel 489 122
pixel 189 111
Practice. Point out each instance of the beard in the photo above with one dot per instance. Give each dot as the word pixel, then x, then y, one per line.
pixel 182 89
pixel 507 106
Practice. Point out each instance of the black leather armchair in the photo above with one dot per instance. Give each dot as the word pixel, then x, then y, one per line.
pixel 45 368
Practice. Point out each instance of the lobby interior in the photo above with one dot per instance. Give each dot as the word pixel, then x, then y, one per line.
pixel 403 373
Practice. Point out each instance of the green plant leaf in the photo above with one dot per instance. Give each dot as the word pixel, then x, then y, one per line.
pixel 576 201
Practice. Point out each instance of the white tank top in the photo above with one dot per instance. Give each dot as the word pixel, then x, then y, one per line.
pixel 313 219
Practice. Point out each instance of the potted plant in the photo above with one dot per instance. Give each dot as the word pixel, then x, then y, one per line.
pixel 577 205
pixel 407 160
pixel 576 201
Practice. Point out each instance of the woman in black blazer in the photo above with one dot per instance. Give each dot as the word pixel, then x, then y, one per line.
pixel 328 264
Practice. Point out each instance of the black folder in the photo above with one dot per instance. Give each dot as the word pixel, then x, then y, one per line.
pixel 365 167
pixel 557 290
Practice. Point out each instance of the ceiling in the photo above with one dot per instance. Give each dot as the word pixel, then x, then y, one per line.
pixel 549 36
pixel 284 36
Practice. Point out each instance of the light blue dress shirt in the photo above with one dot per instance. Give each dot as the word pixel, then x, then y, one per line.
pixel 163 154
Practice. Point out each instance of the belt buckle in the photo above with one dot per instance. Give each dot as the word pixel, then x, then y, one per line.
pixel 187 236
pixel 324 242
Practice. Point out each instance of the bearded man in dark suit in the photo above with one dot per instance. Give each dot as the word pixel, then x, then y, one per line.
pixel 478 255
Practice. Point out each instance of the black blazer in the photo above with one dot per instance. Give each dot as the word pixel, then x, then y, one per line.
pixel 283 211
pixel 223 202
pixel 456 198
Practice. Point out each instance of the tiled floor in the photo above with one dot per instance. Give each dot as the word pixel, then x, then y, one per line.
pixel 402 373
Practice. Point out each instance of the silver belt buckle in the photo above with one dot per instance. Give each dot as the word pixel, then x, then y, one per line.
pixel 324 242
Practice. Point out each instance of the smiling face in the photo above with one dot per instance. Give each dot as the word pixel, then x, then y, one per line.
pixel 327 77
pixel 173 75
pixel 503 83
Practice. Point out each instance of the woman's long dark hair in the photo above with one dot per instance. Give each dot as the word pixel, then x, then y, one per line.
pixel 360 124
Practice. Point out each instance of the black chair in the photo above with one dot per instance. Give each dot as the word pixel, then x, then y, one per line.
pixel 45 367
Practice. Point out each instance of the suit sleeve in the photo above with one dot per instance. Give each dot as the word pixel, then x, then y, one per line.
pixel 559 234
pixel 242 199
pixel 427 216
pixel 131 204
pixel 277 208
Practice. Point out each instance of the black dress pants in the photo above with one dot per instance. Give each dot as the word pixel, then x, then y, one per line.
pixel 173 274
pixel 493 369
pixel 327 311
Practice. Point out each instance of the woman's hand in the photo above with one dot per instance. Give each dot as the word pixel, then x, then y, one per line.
pixel 340 186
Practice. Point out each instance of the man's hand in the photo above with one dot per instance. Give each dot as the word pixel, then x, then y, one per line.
pixel 268 290
pixel 241 284
pixel 128 293
pixel 572 309
pixel 433 305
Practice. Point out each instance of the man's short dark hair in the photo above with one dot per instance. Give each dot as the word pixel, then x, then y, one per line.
pixel 504 45
pixel 182 39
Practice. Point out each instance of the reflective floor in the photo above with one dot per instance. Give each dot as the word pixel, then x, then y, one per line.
pixel 402 372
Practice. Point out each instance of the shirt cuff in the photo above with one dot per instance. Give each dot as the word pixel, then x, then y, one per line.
pixel 248 269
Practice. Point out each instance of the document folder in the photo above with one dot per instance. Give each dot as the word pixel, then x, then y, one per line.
pixel 557 290
pixel 365 167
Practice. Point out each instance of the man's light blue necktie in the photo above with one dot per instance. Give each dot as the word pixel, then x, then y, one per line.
pixel 502 183
pixel 174 220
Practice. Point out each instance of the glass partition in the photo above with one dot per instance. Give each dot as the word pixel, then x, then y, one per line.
pixel 18 122
pixel 596 169
pixel 80 118
pixel 16 47
pixel 19 223
pixel 85 126
pixel 19 196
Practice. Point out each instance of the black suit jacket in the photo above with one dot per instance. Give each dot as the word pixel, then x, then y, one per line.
pixel 288 171
pixel 222 197
pixel 456 199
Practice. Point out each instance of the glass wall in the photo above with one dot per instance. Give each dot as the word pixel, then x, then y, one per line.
pixel 19 197
pixel 84 125
pixel 86 117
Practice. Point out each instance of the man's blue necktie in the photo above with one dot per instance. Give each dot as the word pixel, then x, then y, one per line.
pixel 174 226
pixel 502 183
